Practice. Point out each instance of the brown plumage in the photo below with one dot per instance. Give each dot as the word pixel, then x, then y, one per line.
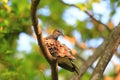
pixel 57 49
pixel 61 51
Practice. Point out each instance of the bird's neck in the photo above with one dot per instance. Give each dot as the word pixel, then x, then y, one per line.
pixel 53 37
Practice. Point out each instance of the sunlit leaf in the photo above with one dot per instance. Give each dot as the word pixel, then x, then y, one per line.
pixel 7 7
pixel 95 1
pixel 81 6
pixel 5 1
pixel 111 25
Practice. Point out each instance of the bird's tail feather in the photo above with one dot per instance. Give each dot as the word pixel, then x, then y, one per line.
pixel 76 68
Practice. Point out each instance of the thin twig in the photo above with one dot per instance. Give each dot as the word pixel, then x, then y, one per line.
pixel 51 60
pixel 117 54
pixel 90 15
pixel 83 61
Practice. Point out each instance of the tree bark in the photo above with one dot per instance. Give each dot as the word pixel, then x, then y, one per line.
pixel 113 42
pixel 51 60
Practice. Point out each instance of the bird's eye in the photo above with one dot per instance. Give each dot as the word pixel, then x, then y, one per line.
pixel 58 31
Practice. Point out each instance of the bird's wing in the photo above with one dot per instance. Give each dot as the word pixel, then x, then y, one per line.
pixel 52 46
pixel 68 64
pixel 57 49
pixel 66 52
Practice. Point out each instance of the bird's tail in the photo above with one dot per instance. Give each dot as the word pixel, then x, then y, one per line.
pixel 75 68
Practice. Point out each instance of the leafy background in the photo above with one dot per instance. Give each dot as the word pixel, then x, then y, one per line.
pixel 20 57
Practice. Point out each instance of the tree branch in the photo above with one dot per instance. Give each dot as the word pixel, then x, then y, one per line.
pixel 99 51
pixel 83 60
pixel 54 68
pixel 113 42
pixel 117 54
pixel 51 60
pixel 90 15
pixel 38 31
pixel 91 60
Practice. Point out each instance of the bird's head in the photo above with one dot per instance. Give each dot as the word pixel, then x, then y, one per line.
pixel 57 33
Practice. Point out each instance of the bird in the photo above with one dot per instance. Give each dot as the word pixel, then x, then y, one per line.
pixel 60 51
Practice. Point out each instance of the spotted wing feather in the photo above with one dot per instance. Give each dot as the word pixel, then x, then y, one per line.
pixel 57 49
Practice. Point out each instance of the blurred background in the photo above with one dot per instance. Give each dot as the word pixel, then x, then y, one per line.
pixel 82 21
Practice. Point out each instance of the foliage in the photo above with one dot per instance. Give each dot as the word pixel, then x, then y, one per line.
pixel 15 19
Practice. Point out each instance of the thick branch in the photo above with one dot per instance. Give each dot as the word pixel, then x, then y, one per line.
pixel 52 61
pixel 54 68
pixel 38 31
pixel 113 42
pixel 99 51
pixel 91 59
